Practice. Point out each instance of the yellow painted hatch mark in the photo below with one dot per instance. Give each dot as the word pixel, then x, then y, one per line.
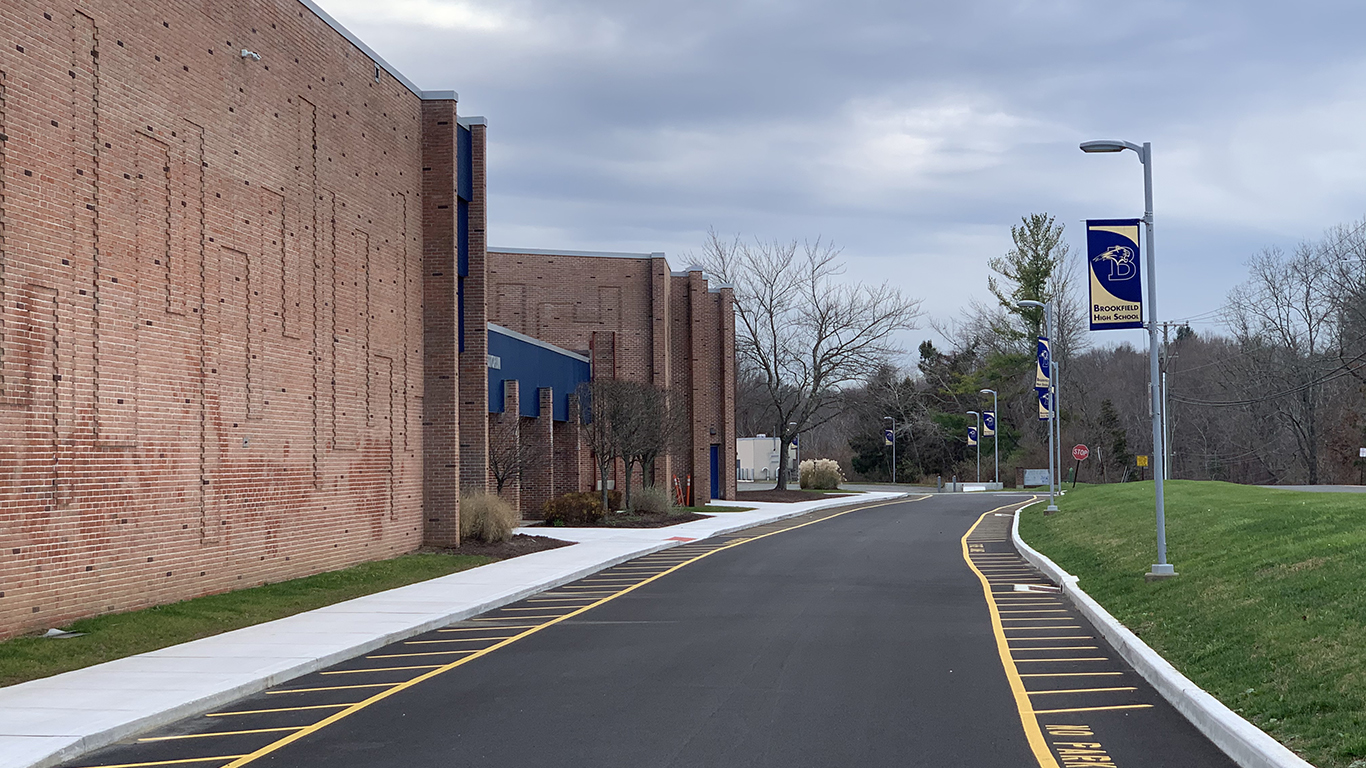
pixel 1028 721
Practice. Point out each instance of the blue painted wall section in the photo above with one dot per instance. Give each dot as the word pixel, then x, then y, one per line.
pixel 464 183
pixel 535 365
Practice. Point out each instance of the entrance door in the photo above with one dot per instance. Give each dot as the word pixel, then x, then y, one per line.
pixel 716 472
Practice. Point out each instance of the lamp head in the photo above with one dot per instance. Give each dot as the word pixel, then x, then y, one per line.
pixel 1103 145
pixel 986 391
pixel 1031 303
pixel 972 413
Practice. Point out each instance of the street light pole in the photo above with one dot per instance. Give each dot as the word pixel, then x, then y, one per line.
pixel 979 444
pixel 893 420
pixel 1047 307
pixel 995 434
pixel 1161 569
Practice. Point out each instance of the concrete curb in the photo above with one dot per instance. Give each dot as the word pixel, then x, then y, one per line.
pixel 43 751
pixel 1245 743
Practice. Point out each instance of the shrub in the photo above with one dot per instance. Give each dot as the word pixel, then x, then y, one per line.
pixel 820 474
pixel 579 510
pixel 486 517
pixel 614 500
pixel 652 500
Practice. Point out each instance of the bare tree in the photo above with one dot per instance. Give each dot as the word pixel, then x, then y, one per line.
pixel 801 331
pixel 509 455
pixel 603 411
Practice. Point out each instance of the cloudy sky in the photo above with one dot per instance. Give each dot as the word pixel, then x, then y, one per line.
pixel 911 133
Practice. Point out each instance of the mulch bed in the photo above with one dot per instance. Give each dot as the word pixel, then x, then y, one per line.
pixel 629 520
pixel 518 545
pixel 786 496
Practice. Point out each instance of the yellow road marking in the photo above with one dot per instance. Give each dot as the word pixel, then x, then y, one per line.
pixel 1088 658
pixel 331 688
pixel 220 733
pixel 1058 637
pixel 378 669
pixel 518 618
pixel 538 608
pixel 1058 648
pixel 454 640
pixel 1040 610
pixel 1085 690
pixel 1070 674
pixel 1033 629
pixel 482 629
pixel 1091 709
pixel 415 655
pixel 242 760
pixel 1028 721
pixel 555 599
pixel 182 761
pixel 279 709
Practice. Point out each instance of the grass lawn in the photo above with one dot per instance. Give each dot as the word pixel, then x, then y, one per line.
pixel 1269 608
pixel 125 634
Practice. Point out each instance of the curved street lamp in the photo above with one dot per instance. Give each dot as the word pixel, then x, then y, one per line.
pixel 893 420
pixel 995 432
pixel 1162 568
pixel 979 444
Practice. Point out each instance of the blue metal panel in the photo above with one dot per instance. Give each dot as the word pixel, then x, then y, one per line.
pixel 464 163
pixel 462 238
pixel 533 367
pixel 715 471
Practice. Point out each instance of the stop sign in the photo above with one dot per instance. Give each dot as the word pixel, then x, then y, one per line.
pixel 1080 452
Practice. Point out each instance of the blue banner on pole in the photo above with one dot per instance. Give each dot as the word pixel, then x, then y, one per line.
pixel 1041 364
pixel 1043 405
pixel 972 435
pixel 988 423
pixel 1116 283
pixel 886 437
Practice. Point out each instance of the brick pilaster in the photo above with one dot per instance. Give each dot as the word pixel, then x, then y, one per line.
pixel 441 376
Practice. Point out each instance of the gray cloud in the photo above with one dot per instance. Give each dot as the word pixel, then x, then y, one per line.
pixel 914 134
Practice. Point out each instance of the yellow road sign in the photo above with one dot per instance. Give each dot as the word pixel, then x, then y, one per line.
pixel 1142 461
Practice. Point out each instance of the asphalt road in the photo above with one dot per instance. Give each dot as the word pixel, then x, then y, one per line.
pixel 865 638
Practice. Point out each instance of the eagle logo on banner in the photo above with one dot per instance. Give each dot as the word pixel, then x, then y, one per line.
pixel 1122 262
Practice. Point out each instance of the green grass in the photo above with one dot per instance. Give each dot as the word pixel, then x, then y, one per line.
pixel 125 634
pixel 1269 608
pixel 708 509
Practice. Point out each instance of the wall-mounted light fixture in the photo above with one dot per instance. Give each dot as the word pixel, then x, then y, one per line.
pixel 253 55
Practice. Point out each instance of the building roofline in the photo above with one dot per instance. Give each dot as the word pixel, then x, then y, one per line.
pixel 379 60
pixel 537 342
pixel 593 254
pixel 466 122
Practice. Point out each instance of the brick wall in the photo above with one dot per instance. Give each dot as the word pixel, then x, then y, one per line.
pixel 638 321
pixel 211 360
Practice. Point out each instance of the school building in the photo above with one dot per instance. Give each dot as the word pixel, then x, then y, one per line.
pixel 250 328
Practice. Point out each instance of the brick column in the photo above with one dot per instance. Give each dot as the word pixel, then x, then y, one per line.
pixel 538 437
pixel 505 437
pixel 441 378
pixel 474 379
pixel 569 452
pixel 727 323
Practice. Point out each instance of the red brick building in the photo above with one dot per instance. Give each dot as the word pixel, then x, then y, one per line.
pixel 242 306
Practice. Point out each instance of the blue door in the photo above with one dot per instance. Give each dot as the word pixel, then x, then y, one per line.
pixel 716 472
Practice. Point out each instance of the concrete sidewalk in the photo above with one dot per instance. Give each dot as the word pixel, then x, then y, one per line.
pixel 44 722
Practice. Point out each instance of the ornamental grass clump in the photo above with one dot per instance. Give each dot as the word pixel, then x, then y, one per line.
pixel 820 474
pixel 652 500
pixel 487 518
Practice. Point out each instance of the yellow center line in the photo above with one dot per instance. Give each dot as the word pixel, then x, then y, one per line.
pixel 1085 690
pixel 377 669
pixel 278 709
pixel 1091 709
pixel 1028 721
pixel 242 760
pixel 220 733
